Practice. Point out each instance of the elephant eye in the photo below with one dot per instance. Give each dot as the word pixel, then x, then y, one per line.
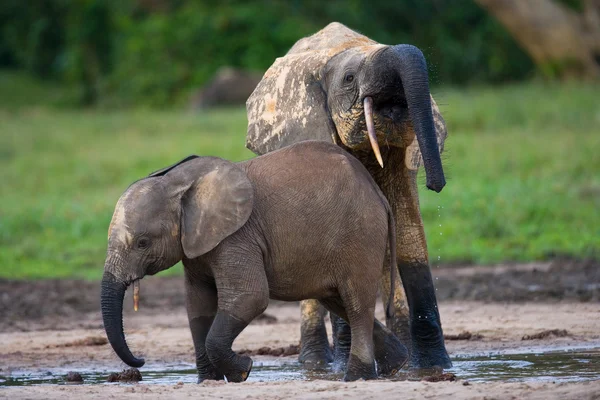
pixel 349 78
pixel 143 243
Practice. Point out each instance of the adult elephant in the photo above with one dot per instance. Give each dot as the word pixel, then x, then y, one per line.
pixel 372 100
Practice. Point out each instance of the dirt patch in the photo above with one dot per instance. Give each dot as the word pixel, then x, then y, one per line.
pixel 446 377
pixel 88 341
pixel 291 350
pixel 74 377
pixel 127 375
pixel 557 280
pixel 546 334
pixel 466 335
pixel 53 304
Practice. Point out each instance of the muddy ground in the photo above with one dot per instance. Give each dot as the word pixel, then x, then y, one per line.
pixel 57 324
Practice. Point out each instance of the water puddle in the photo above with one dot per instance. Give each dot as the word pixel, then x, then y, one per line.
pixel 557 366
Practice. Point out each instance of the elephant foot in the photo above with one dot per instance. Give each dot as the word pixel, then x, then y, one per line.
pixel 358 369
pixel 315 358
pixel 428 348
pixel 315 351
pixel 241 371
pixel 209 375
pixel 391 355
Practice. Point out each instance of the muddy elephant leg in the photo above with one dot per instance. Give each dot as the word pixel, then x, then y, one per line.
pixel 428 348
pixel 341 342
pixel 427 339
pixel 398 322
pixel 314 345
pixel 201 304
pixel 399 185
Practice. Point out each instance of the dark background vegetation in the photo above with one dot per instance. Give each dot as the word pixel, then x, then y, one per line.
pixel 153 52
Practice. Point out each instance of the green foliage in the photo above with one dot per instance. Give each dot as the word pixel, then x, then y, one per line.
pixel 32 35
pixel 162 55
pixel 524 176
pixel 154 53
pixel 521 161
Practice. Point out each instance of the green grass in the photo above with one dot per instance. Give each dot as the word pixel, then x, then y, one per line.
pixel 522 164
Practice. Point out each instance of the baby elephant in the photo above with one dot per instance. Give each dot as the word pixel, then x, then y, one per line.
pixel 303 222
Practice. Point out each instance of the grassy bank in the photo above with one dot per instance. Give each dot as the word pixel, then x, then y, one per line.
pixel 522 164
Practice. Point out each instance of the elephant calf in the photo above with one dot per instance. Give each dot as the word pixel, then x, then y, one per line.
pixel 303 222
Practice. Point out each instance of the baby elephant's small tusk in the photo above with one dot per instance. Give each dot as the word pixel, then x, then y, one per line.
pixel 136 294
pixel 368 106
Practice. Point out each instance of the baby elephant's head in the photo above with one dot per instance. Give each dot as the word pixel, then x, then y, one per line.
pixel 182 210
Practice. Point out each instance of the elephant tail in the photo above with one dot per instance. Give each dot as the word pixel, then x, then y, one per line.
pixel 392 243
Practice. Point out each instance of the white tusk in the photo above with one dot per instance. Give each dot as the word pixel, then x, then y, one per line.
pixel 368 106
pixel 136 294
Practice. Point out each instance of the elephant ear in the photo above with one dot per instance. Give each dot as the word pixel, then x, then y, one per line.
pixel 163 171
pixel 217 204
pixel 413 158
pixel 289 105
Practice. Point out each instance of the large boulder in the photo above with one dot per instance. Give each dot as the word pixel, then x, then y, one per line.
pixel 229 86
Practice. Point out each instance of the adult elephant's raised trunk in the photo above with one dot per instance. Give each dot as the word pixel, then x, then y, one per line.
pixel 111 299
pixel 413 73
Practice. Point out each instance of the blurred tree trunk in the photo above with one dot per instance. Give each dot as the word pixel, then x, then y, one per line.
pixel 562 42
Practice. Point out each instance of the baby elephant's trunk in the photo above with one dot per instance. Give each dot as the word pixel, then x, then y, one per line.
pixel 112 294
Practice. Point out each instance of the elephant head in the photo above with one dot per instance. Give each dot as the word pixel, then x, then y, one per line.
pixel 180 211
pixel 340 86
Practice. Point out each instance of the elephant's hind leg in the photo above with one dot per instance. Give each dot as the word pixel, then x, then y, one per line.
pixel 360 316
pixel 390 353
pixel 341 342
pixel 314 345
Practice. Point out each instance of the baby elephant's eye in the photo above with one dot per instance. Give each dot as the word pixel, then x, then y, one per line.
pixel 143 243
pixel 348 78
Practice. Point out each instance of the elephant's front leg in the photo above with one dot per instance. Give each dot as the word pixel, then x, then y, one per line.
pixel 201 302
pixel 314 345
pixel 243 295
pixel 427 339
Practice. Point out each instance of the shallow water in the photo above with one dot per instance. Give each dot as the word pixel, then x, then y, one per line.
pixel 557 366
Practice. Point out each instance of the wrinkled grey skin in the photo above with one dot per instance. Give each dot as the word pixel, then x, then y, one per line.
pixel 303 222
pixel 318 90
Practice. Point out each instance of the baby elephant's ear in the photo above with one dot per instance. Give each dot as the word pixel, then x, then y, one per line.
pixel 163 171
pixel 216 205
